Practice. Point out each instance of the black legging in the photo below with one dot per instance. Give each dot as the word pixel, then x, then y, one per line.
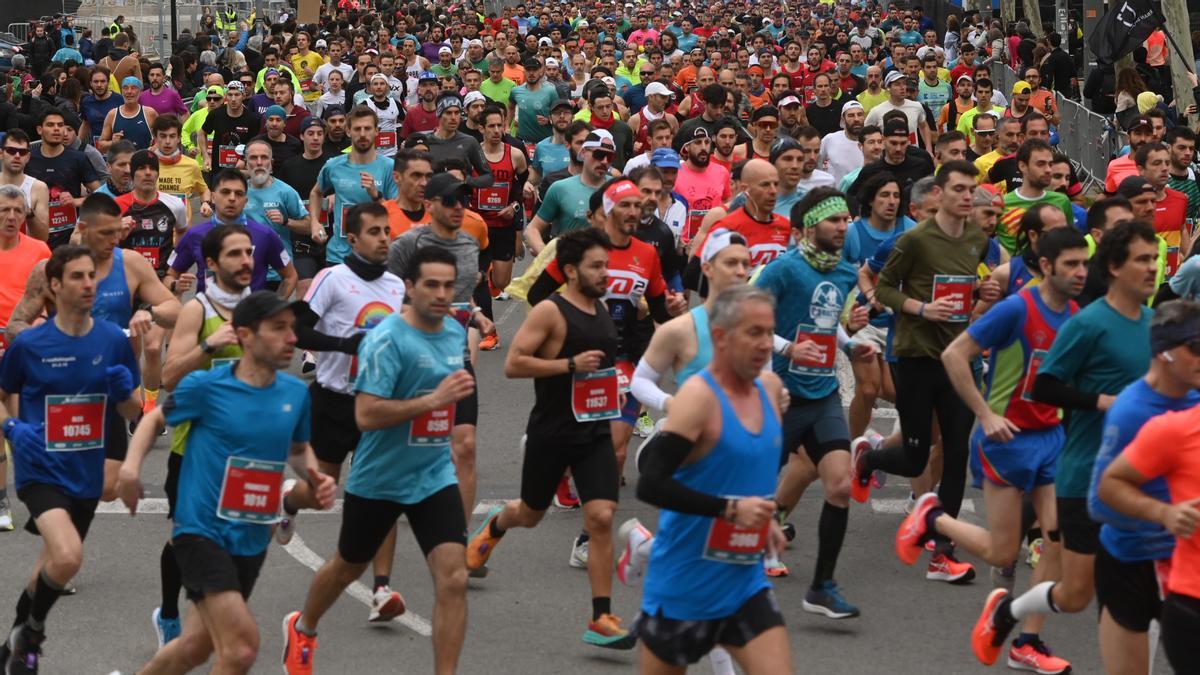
pixel 923 387
pixel 1180 626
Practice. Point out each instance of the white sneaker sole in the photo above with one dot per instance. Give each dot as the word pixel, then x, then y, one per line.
pixel 391 609
pixel 1017 665
pixel 158 634
pixel 812 608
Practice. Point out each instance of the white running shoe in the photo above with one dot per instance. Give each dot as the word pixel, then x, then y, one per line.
pixel 6 521
pixel 637 540
pixel 579 554
pixel 386 605
pixel 286 527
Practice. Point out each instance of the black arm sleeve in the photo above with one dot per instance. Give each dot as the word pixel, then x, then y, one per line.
pixel 692 276
pixel 1053 391
pixel 658 308
pixel 308 337
pixel 657 485
pixel 542 288
pixel 517 194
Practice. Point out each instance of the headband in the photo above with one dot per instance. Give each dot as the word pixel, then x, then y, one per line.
pixel 830 206
pixel 719 240
pixel 617 191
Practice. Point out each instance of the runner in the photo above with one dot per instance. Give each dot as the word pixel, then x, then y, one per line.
pixel 403 406
pixel 231 126
pixel 1015 448
pixel 704 185
pixel 389 114
pixel 552 153
pixel 301 173
pixel 500 203
pixel 247 422
pixel 120 179
pixel 36 217
pixel 73 375
pixel 65 171
pixel 568 346
pixel 721 597
pixel 131 121
pixel 1102 349
pixel 178 174
pixel 271 201
pixel 565 206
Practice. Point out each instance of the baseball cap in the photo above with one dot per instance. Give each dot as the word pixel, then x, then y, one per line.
pixel 143 158
pixel 260 305
pixel 1164 334
pixel 131 81
pixel 425 76
pixel 216 89
pixel 658 89
pixel 473 97
pixel 1139 121
pixel 1022 87
pixel 986 195
pixel 552 62
pixel 719 240
pixel 545 41
pixel 444 50
pixel 788 101
pixel 968 78
pixel 235 85
pixel 275 111
pixel 532 63
pixel 447 102
pixel 333 111
pixel 895 128
pixel 560 103
pixel 893 76
pixel 851 105
pixel 600 139
pixel 310 121
pixel 665 158
pixel 1134 186
pixel 683 138
pixel 764 111
pixel 444 185
pixel 321 44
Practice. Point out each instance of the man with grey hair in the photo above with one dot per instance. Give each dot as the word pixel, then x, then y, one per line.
pixel 120 179
pixel 271 201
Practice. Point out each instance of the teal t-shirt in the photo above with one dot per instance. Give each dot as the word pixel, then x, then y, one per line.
pixel 281 198
pixel 549 156
pixel 1097 351
pixel 566 205
pixel 530 104
pixel 408 462
pixel 343 180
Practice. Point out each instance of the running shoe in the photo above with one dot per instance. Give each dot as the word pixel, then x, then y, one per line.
pixel 490 342
pixel 579 554
pixel 308 362
pixel 1005 577
pixel 644 426
pixel 910 503
pixel 912 533
pixel 482 543
pixel 945 567
pixel 992 628
pixel 386 605
pixel 286 527
pixel 25 650
pixel 6 521
pixel 165 629
pixel 1036 657
pixel 789 531
pixel 631 564
pixel 564 496
pixel 1034 554
pixel 829 602
pixel 607 632
pixel 502 297
pixel 860 484
pixel 298 648
pixel 69 588
pixel 774 566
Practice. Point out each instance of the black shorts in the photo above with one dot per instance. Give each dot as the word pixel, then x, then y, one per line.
pixel 171 486
pixel 816 424
pixel 502 243
pixel 1180 626
pixel 592 461
pixel 335 433
pixel 1080 534
pixel 307 265
pixel 206 568
pixel 437 519
pixel 466 411
pixel 682 642
pixel 42 497
pixel 116 438
pixel 1128 590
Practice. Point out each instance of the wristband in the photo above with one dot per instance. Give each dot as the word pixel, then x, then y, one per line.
pixel 921 311
pixel 571 364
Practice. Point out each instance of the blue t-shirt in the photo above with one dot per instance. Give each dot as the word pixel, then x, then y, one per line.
pixel 812 301
pixel 277 197
pixel 549 156
pixel 408 462
pixel 231 419
pixel 43 361
pixel 1098 351
pixel 1130 539
pixel 341 178
pixel 875 263
pixel 269 252
pixel 862 240
pixel 95 111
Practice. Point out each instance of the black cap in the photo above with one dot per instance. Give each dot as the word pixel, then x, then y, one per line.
pixel 333 111
pixel 561 103
pixel 764 111
pixel 260 305
pixel 444 184
pixel 533 63
pixel 895 128
pixel 142 158
pixel 1134 186
pixel 1139 121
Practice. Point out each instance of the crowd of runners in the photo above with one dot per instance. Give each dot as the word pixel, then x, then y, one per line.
pixel 283 247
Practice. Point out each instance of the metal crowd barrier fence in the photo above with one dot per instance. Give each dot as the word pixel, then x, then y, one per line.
pixel 19 30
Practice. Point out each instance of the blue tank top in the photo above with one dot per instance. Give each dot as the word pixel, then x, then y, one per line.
pixel 703 347
pixel 113 302
pixel 1019 275
pixel 693 574
pixel 135 128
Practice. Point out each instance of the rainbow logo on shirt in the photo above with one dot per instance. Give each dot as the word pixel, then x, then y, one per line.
pixel 368 317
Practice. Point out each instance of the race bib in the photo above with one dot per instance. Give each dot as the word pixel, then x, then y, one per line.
pixel 62 214
pixel 250 491
pixel 228 156
pixel 228 361
pixel 624 375
pixel 822 366
pixel 75 423
pixel 1035 364
pixel 385 140
pixel 595 396
pixel 150 253
pixel 273 214
pixel 729 543
pixel 433 427
pixel 493 198
pixel 958 288
pixel 307 85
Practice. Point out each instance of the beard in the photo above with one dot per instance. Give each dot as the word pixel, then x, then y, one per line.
pixel 699 158
pixel 259 177
pixel 594 292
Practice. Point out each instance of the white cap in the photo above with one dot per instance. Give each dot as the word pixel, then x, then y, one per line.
pixel 473 97
pixel 545 41
pixel 718 240
pixel 552 62
pixel 609 81
pixel 892 77
pixel 444 50
pixel 658 88
pixel 321 44
pixel 475 43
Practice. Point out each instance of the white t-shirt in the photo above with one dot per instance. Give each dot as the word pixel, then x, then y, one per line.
pixel 839 155
pixel 321 76
pixel 637 162
pixel 348 304
pixel 911 109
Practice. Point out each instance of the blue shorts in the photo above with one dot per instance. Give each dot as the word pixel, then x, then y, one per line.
pixel 631 410
pixel 1026 462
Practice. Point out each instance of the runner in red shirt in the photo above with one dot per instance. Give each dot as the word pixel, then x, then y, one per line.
pixel 1153 161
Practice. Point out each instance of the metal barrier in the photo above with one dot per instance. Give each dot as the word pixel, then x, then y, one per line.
pixel 19 30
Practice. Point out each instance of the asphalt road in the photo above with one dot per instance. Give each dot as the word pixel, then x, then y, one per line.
pixel 529 614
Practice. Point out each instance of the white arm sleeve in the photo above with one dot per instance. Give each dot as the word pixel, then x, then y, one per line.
pixel 842 336
pixel 645 386
pixel 781 345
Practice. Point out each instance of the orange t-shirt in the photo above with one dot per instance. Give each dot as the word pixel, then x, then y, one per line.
pixel 474 225
pixel 1169 446
pixel 400 222
pixel 15 265
pixel 515 73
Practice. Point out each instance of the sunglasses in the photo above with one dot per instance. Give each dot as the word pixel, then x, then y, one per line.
pixel 647 73
pixel 982 132
pixel 16 152
pixel 1193 347
pixel 213 98
pixel 766 125
pixel 457 199
pixel 603 155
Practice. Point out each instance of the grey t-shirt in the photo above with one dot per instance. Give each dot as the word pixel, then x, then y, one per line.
pixel 465 147
pixel 464 247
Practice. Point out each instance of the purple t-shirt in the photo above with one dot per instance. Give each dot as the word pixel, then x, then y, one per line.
pixel 167 100
pixel 269 251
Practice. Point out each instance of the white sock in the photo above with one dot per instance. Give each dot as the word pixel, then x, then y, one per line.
pixel 1034 601
pixel 722 663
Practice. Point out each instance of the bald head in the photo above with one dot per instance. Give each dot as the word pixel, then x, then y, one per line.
pixel 761 181
pixel 755 170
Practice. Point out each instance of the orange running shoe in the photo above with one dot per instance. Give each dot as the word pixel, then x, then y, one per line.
pixel 607 632
pixel 490 342
pixel 945 567
pixel 913 530
pixel 298 648
pixel 482 543
pixel 860 481
pixel 992 628
pixel 1036 657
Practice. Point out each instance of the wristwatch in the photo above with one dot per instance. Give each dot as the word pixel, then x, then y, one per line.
pixel 207 348
pixel 571 364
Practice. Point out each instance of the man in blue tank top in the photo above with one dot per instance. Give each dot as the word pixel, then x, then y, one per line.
pixel 712 470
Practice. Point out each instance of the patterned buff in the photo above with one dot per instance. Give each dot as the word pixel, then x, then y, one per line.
pixel 821 261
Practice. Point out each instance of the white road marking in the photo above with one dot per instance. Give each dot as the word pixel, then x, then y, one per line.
pixel 158 506
pixel 897 505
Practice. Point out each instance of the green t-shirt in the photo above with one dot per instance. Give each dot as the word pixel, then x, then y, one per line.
pixel 1191 189
pixel 530 104
pixel 1097 351
pixel 444 71
pixel 1015 206
pixel 497 91
pixel 566 205
pixel 869 100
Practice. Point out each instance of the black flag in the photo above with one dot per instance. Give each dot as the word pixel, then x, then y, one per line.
pixel 1122 29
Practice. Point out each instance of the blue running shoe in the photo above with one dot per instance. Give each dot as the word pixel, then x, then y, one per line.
pixel 829 602
pixel 165 629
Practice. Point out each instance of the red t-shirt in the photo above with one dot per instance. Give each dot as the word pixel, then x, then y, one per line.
pixel 1169 216
pixel 766 241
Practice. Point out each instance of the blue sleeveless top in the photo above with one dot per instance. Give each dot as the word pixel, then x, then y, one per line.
pixel 135 128
pixel 703 347
pixel 113 302
pixel 691 576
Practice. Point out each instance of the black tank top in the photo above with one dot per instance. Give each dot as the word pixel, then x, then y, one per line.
pixel 551 415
